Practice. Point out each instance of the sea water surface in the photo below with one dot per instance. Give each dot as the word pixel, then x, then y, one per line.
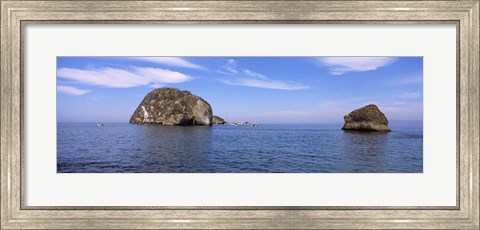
pixel 269 148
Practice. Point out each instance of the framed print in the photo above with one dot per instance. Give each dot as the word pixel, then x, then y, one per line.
pixel 239 114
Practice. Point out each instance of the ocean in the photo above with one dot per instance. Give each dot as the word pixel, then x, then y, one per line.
pixel 268 148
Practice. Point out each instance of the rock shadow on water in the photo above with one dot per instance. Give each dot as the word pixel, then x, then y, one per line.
pixel 174 149
pixel 365 152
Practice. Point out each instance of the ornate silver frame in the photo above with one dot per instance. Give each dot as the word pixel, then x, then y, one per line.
pixel 16 14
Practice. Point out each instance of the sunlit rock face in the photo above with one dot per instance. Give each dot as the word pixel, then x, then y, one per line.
pixel 171 106
pixel 368 118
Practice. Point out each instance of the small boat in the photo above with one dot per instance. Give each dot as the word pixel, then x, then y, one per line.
pixel 99 125
pixel 245 123
pixel 240 123
pixel 255 123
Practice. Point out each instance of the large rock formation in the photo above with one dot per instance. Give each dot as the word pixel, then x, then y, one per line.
pixel 170 106
pixel 368 118
pixel 218 120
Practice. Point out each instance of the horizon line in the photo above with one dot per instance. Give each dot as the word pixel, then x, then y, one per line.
pixel 273 123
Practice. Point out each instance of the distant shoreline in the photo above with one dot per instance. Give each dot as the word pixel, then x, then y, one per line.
pixel 337 123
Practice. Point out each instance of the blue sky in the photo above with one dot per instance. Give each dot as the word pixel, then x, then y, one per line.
pixel 266 89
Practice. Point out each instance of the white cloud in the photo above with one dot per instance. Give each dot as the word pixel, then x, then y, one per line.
pixel 254 74
pixel 333 111
pixel 156 85
pixel 122 78
pixel 266 84
pixel 249 78
pixel 230 68
pixel 341 65
pixel 416 79
pixel 171 61
pixel 410 95
pixel 315 115
pixel 71 90
pixel 403 112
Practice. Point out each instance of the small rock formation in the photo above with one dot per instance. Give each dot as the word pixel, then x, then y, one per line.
pixel 218 120
pixel 368 118
pixel 171 106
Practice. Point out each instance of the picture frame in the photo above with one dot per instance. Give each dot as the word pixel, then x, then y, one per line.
pixel 15 14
